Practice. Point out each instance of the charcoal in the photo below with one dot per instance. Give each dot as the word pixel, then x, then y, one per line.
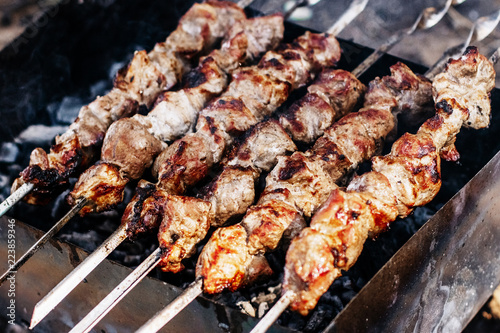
pixel 246 307
pixel 263 307
pixel 8 152
pixel 88 241
pixel 99 88
pixel 67 111
pixel 4 187
pixel 39 134
pixel 319 319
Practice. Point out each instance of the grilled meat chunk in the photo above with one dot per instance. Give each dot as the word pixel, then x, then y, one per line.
pixel 231 193
pixel 130 147
pixel 261 146
pixel 90 185
pixel 185 222
pixel 226 254
pixel 334 93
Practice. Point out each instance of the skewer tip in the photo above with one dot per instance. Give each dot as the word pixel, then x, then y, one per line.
pixel 36 317
pixel 272 315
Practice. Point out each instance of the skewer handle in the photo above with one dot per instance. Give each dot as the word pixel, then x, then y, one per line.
pixel 94 316
pixel 15 197
pixel 162 317
pixel 356 7
pixel 268 320
pixel 58 293
pixel 428 18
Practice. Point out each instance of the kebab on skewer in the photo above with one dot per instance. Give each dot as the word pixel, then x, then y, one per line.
pixel 333 94
pixel 70 281
pixel 187 219
pixel 305 121
pixel 225 259
pixel 147 75
pixel 256 92
pixel 409 176
pixel 131 144
pixel 309 53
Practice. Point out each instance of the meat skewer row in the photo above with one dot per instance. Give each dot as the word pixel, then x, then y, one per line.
pixel 254 93
pixel 409 176
pixel 305 122
pixel 187 220
pixel 170 239
pixel 149 262
pixel 147 75
pixel 299 183
pixel 270 91
pixel 333 94
pixel 227 260
pixel 97 314
pixel 131 143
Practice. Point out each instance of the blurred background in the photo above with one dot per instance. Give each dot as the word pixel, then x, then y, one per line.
pixel 380 19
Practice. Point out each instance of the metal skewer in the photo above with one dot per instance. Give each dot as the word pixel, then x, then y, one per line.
pixel 428 18
pixel 195 289
pixel 15 197
pixel 118 293
pixel 48 235
pixel 63 288
pixel 481 29
pixel 170 311
pixel 59 292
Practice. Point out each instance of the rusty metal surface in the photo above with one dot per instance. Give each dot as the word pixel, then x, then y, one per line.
pixel 442 276
pixel 57 259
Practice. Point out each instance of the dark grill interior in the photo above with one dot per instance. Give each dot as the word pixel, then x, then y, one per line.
pixel 46 78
